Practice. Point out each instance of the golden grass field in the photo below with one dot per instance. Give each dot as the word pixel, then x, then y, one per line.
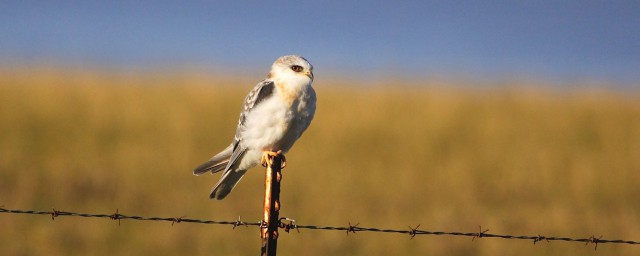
pixel 514 159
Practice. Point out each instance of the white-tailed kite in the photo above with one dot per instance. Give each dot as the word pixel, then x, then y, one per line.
pixel 274 115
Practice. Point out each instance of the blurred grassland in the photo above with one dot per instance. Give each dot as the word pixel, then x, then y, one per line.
pixel 513 159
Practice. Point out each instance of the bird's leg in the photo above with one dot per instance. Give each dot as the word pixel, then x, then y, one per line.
pixel 267 158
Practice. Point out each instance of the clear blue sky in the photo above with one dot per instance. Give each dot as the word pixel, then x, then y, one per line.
pixel 549 40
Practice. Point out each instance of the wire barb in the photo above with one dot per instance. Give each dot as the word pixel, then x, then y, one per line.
pixel 413 231
pixel 54 213
pixel 177 220
pixel 116 216
pixel 352 228
pixel 540 238
pixel 239 223
pixel 480 234
pixel 593 240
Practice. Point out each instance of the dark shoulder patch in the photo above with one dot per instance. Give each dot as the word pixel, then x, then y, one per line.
pixel 260 92
pixel 265 92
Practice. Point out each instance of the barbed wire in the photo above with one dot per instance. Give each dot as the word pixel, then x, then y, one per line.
pixel 290 224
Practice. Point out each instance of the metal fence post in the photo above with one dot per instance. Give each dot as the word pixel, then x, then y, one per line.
pixel 270 221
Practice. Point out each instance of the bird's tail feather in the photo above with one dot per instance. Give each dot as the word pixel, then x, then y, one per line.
pixel 226 183
pixel 216 163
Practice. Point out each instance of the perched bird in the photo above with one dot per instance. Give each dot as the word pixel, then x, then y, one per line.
pixel 274 115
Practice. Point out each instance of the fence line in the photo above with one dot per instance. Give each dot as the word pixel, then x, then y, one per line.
pixel 289 224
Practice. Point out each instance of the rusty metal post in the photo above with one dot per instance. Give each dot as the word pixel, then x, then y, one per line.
pixel 270 221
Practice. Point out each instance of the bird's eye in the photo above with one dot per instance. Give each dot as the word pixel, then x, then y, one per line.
pixel 296 68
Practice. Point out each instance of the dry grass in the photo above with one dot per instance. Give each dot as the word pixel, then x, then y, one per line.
pixel 514 160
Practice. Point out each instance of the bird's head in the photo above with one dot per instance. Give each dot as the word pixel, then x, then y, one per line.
pixel 292 67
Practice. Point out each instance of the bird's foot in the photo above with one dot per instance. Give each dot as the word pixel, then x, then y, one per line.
pixel 267 158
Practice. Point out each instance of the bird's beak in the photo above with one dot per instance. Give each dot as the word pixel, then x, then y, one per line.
pixel 309 74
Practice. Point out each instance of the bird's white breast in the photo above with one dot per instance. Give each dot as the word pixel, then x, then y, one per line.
pixel 277 122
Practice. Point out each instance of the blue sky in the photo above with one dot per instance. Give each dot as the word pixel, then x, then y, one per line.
pixel 547 40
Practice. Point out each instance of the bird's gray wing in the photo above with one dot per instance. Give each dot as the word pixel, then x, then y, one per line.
pixel 260 92
pixel 232 174
pixel 230 155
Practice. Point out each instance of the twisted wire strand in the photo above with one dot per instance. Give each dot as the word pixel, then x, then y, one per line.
pixel 287 226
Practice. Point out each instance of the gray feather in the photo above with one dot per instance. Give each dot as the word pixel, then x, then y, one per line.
pixel 216 163
pixel 226 184
pixel 231 175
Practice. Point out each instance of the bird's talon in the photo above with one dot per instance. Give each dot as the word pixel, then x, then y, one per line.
pixel 267 158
